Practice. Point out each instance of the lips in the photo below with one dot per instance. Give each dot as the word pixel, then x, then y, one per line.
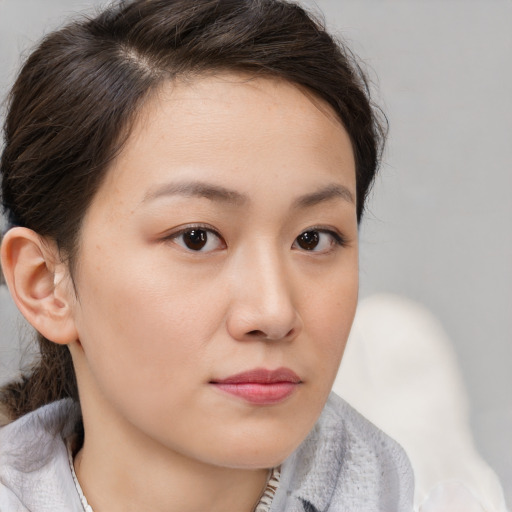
pixel 260 386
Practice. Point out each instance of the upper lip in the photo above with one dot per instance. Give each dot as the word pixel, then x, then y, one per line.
pixel 261 376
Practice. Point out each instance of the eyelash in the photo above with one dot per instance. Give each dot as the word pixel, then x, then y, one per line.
pixel 338 239
pixel 193 227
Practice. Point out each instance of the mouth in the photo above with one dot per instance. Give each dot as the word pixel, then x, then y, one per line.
pixel 260 386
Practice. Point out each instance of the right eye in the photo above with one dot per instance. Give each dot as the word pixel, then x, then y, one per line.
pixel 198 239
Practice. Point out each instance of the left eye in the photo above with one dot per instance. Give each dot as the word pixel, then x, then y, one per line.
pixel 198 239
pixel 315 240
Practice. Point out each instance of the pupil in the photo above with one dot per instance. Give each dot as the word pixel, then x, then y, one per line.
pixel 308 240
pixel 195 239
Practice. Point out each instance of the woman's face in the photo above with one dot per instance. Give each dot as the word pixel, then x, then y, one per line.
pixel 218 272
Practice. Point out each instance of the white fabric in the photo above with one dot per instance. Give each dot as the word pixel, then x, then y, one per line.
pixel 34 468
pixel 400 371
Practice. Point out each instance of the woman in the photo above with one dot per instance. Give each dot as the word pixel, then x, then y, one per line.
pixel 184 182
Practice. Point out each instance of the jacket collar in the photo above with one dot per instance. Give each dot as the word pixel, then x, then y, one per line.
pixel 310 475
pixel 34 465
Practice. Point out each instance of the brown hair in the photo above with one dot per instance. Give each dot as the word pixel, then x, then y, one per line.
pixel 74 101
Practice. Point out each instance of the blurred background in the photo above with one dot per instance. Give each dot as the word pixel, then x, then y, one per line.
pixel 438 228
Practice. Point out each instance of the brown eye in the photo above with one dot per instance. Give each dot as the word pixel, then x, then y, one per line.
pixel 308 240
pixel 195 239
pixel 318 241
pixel 198 239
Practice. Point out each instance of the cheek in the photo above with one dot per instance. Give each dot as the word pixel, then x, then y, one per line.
pixel 144 329
pixel 328 321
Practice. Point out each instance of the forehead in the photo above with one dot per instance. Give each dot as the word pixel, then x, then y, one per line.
pixel 233 130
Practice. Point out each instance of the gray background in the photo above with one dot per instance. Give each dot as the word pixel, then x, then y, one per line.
pixel 439 225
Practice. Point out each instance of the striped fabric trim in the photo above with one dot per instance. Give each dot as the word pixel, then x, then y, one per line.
pixel 270 491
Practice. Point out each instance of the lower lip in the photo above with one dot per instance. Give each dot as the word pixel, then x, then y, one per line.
pixel 261 394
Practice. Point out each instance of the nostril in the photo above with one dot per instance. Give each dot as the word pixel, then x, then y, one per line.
pixel 257 333
pixel 260 334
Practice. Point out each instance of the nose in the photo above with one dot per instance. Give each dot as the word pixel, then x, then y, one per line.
pixel 262 305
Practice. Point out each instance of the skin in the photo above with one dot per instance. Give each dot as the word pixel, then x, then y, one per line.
pixel 154 322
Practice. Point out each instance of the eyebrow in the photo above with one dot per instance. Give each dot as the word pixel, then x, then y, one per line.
pixel 223 194
pixel 197 189
pixel 327 193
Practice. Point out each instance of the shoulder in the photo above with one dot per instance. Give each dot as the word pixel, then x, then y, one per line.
pixel 347 463
pixel 34 468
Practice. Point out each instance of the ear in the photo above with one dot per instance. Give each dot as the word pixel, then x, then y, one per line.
pixel 39 284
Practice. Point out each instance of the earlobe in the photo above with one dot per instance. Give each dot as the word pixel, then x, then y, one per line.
pixel 34 275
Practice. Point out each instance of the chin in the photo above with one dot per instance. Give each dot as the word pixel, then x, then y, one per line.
pixel 265 450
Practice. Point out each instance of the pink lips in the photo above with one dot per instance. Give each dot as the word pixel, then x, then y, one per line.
pixel 260 386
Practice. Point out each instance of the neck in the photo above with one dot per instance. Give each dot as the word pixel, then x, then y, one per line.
pixel 128 475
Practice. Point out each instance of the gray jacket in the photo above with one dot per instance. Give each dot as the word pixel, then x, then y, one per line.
pixel 345 465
